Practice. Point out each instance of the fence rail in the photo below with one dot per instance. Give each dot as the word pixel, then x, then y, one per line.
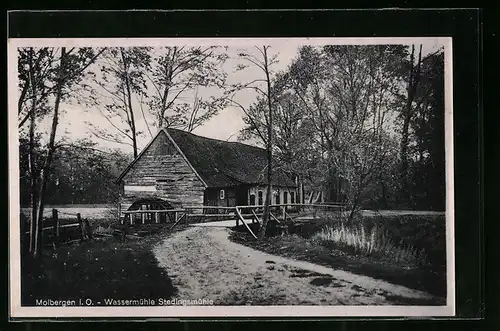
pixel 279 213
pixel 151 216
pixel 84 231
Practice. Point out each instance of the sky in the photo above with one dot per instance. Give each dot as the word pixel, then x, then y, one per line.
pixel 224 126
pixel 227 124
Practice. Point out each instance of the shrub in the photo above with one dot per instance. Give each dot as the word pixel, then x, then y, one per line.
pixel 370 243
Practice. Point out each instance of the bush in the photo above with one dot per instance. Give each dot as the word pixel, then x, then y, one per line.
pixel 370 243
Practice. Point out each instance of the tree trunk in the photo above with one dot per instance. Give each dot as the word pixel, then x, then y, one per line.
pixel 168 68
pixel 406 126
pixel 413 79
pixel 22 97
pixel 404 151
pixel 351 215
pixel 33 188
pixel 129 104
pixel 48 160
pixel 355 196
pixel 32 165
pixel 266 216
pixel 353 208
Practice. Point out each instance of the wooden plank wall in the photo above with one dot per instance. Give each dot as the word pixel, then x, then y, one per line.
pixel 212 197
pixel 162 172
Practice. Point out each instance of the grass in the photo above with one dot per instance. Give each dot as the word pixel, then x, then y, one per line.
pixel 98 269
pixel 402 249
pixel 370 243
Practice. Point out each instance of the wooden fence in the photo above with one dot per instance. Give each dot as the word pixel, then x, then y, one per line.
pixel 56 229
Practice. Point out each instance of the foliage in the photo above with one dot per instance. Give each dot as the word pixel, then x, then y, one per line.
pixel 81 173
pixel 138 88
pixel 36 71
pixel 263 60
pixel 338 125
pixel 424 232
pixel 120 78
pixel 176 75
pixel 56 81
pixel 427 150
pixel 292 139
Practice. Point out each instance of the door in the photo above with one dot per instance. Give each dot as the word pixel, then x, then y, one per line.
pixel 252 199
pixel 241 196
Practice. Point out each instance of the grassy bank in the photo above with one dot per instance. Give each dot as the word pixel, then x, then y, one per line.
pixel 98 269
pixel 406 250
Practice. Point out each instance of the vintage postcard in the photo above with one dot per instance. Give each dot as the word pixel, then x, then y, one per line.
pixel 231 177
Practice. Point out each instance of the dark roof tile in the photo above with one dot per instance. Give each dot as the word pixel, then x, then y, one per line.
pixel 221 163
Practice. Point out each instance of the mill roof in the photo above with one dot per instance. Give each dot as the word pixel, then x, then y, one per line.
pixel 221 163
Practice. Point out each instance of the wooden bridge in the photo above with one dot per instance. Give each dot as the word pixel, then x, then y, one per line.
pixel 226 216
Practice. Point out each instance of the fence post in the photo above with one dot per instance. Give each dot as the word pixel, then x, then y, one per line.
pixel 236 216
pixel 157 217
pixel 80 223
pixel 89 228
pixel 55 219
pixel 143 216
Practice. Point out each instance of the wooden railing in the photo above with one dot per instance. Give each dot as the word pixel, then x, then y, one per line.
pixel 130 216
pixel 279 213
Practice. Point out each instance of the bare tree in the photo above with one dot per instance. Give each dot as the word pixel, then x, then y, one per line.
pixel 263 61
pixel 30 75
pixel 67 70
pixel 346 90
pixel 121 85
pixel 176 75
pixel 35 68
pixel 293 132
pixel 414 73
pixel 162 80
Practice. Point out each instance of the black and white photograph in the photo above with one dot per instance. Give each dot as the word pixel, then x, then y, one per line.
pixel 192 177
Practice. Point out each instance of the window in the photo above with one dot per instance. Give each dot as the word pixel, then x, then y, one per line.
pixel 261 198
pixel 222 194
pixel 278 200
pixel 292 197
pixel 252 199
pixel 285 197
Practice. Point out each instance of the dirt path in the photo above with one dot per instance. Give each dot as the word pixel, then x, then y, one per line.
pixel 205 264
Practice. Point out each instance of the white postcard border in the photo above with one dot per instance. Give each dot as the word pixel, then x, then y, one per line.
pixel 18 311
